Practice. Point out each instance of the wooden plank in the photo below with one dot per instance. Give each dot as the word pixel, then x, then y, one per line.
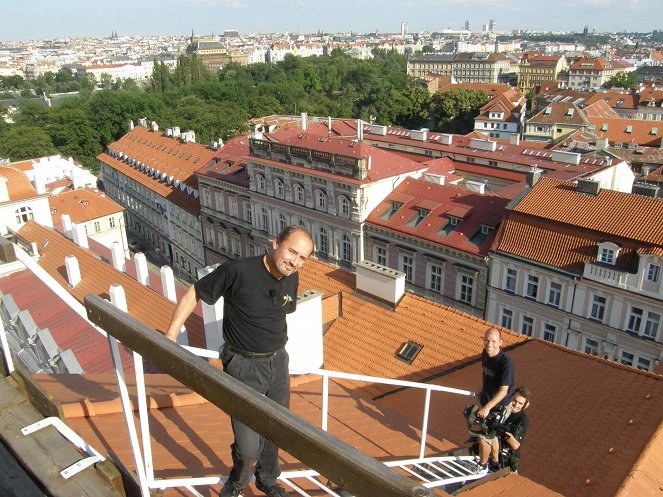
pixel 45 453
pixel 341 463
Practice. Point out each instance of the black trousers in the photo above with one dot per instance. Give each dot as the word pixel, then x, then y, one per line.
pixel 271 377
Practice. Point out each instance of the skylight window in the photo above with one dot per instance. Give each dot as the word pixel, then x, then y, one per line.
pixel 547 111
pixel 409 351
pixel 654 131
pixel 604 127
pixel 629 129
pixel 570 111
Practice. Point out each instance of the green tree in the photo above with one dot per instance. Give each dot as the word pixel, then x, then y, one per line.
pixel 454 111
pixel 622 80
pixel 73 134
pixel 32 113
pixel 428 49
pixel 25 142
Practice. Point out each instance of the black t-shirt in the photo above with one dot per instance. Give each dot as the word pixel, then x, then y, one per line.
pixel 498 371
pixel 255 303
pixel 517 424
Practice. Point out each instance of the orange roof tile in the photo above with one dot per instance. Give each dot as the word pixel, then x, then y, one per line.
pixel 18 184
pixel 82 205
pixel 595 425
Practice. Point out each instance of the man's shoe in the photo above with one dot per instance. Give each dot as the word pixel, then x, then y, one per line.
pixel 229 490
pixel 493 466
pixel 480 468
pixel 273 490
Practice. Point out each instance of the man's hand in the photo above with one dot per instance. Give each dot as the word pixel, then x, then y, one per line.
pixel 483 412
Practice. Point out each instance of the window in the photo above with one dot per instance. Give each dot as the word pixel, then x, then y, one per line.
pixel 97 227
pixel 260 183
pixel 466 288
pixel 264 219
pixel 23 215
pixel 421 214
pixel 598 308
pixel 234 245
pixel 651 325
pixel 282 222
pixel 653 273
pixel 279 189
pixel 252 250
pixel 549 331
pixel 408 352
pixel 607 256
pixel 323 240
pixel 591 347
pixel 299 193
pixel 634 320
pixel 510 280
pixel 381 255
pixel 435 278
pixel 507 318
pixel 527 326
pixel 344 206
pixel 111 222
pixel 320 200
pixel 206 198
pixel 555 294
pixel 532 286
pixel 643 364
pixel 248 213
pixel 627 358
pixel 346 249
pixel 218 201
pixel 232 206
pixel 395 206
pixel 407 266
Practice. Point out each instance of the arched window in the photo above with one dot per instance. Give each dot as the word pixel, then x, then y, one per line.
pixel 343 206
pixel 323 240
pixel 346 249
pixel 299 193
pixel 321 200
pixel 260 183
pixel 279 188
pixel 23 215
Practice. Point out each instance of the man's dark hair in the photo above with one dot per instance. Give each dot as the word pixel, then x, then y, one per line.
pixel 523 392
pixel 290 230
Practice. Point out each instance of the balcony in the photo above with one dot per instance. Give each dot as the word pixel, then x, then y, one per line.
pixel 610 276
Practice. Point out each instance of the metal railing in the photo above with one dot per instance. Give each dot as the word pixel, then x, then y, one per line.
pixel 337 461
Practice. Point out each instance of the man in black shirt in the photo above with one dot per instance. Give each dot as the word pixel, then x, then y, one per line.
pixel 498 380
pixel 257 294
pixel 517 424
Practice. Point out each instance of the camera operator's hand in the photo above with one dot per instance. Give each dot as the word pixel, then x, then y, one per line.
pixel 483 412
pixel 511 440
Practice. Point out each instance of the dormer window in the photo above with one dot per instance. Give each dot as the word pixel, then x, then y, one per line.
pixel 260 183
pixel 608 253
pixel 653 273
pixel 454 221
pixel 395 206
pixel 419 216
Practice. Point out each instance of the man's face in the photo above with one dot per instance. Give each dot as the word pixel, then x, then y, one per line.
pixel 492 343
pixel 518 403
pixel 290 254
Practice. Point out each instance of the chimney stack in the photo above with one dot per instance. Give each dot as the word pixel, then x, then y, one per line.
pixel 533 176
pixel 304 122
pixel 80 237
pixel 168 283
pixel 73 270
pixel 142 274
pixel 380 282
pixel 118 298
pixel 117 252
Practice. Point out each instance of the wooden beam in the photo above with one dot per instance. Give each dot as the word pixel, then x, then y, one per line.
pixel 341 463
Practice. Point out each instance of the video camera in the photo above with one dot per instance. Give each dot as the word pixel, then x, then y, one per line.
pixel 491 425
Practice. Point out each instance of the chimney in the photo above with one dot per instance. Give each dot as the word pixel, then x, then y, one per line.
pixel 168 283
pixel 588 187
pixel 66 226
pixel 212 318
pixel 117 252
pixel 176 132
pixel 420 135
pixel 304 122
pixel 515 140
pixel 118 298
pixel 4 192
pixel 305 341
pixel 533 176
pixel 360 130
pixel 154 126
pixel 601 144
pixel 80 237
pixel 475 186
pixel 73 270
pixel 142 274
pixel 380 282
pixel 131 125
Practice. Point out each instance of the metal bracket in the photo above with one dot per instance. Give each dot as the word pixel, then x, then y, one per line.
pixel 73 437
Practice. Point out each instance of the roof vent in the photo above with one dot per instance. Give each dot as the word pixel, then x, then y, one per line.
pixel 588 187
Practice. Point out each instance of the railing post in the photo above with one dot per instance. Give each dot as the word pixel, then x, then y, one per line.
pixel 424 425
pixel 325 400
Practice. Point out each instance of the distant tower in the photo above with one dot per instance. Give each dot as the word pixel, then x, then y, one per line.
pixel 491 26
pixel 585 30
pixel 403 28
pixel 468 26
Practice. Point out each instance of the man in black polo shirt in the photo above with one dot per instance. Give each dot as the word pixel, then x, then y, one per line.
pixel 498 380
pixel 257 294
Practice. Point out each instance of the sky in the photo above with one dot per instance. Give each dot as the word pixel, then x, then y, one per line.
pixel 38 19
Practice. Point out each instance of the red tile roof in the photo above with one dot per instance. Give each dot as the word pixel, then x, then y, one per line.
pixel 647 133
pixel 82 205
pixel 167 155
pixel 18 184
pixel 595 426
pixel 442 201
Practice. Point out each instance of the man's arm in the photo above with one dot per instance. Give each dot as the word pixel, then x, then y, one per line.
pixel 182 311
pixel 496 399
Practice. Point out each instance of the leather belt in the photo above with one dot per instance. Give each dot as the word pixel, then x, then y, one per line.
pixel 251 355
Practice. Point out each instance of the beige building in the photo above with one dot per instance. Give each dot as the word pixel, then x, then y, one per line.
pixel 555 121
pixel 535 70
pixel 477 67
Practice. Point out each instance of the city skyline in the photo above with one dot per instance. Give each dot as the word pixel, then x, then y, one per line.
pixel 38 19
